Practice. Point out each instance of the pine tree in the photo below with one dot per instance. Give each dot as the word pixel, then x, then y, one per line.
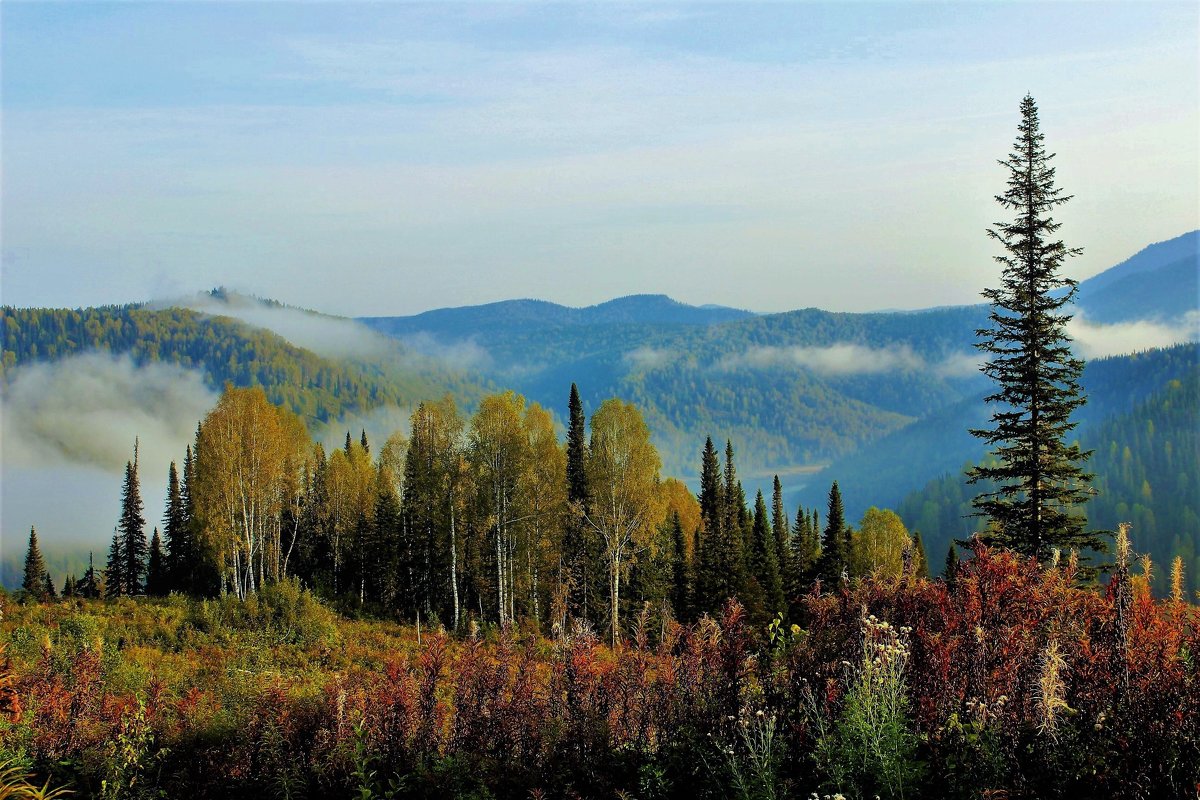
pixel 920 560
pixel 682 574
pixel 114 571
pixel 50 593
pixel 131 529
pixel 36 575
pixel 156 576
pixel 575 550
pixel 363 441
pixel 780 527
pixel 806 552
pixel 1040 478
pixel 178 549
pixel 950 573
pixel 89 585
pixel 765 559
pixel 69 587
pixel 835 555
pixel 710 583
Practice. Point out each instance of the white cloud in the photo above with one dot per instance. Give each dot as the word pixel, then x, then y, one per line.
pixel 647 357
pixel 844 359
pixel 1097 341
pixel 332 337
pixel 839 359
pixel 87 409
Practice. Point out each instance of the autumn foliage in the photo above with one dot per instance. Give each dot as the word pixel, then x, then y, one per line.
pixel 1012 682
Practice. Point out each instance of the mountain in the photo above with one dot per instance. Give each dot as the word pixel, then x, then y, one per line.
pixel 357 372
pixel 886 472
pixel 1145 459
pixel 513 315
pixel 1160 282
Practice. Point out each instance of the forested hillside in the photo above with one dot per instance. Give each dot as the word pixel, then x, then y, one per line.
pixel 891 468
pixel 1145 461
pixel 796 388
pixel 226 350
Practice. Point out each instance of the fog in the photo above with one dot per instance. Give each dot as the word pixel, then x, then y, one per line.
pixel 67 429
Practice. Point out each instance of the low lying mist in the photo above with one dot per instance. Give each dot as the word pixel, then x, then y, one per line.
pixel 1093 340
pixel 68 430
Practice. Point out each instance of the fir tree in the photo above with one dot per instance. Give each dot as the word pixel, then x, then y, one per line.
pixel 1039 477
pixel 114 571
pixel 805 552
pixel 178 552
pixel 131 529
pixel 89 585
pixel 765 559
pixel 950 573
pixel 576 553
pixel 780 527
pixel 920 561
pixel 710 583
pixel 682 577
pixel 36 575
pixel 363 441
pixel 69 587
pixel 156 577
pixel 835 554
pixel 50 593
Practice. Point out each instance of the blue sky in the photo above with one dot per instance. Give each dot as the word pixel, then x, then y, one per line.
pixel 369 159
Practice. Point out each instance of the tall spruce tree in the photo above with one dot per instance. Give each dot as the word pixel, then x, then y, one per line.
pixel 765 558
pixel 835 553
pixel 682 574
pixel 89 585
pixel 710 583
pixel 780 527
pixel 576 550
pixel 175 534
pixel 114 570
pixel 131 529
pixel 920 560
pixel 156 568
pixel 36 575
pixel 1039 477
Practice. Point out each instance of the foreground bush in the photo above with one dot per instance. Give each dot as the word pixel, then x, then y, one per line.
pixel 1011 682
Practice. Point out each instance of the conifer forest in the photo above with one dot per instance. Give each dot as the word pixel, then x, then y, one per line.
pixel 642 549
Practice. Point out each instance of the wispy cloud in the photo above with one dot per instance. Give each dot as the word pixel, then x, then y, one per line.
pixel 465 355
pixel 647 357
pixel 332 337
pixel 845 359
pixel 1093 340
pixel 87 409
pixel 837 359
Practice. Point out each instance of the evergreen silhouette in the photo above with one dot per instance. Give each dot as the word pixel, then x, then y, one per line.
pixel 114 570
pixel 177 550
pixel 89 585
pixel 156 575
pixel 682 574
pixel 765 559
pixel 36 575
pixel 575 549
pixel 920 560
pixel 711 584
pixel 1040 481
pixel 131 529
pixel 950 573
pixel 835 551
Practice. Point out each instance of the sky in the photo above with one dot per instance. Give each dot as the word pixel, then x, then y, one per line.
pixel 376 159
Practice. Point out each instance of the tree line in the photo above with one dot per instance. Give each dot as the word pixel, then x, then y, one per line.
pixel 487 518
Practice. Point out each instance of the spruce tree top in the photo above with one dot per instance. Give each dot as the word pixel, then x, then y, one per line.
pixel 1038 477
pixel 34 583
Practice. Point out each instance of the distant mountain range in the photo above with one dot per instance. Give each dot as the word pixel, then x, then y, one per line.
pixel 879 401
